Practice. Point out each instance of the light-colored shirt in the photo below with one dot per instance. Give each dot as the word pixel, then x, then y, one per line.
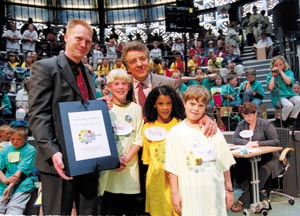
pixel 12 45
pixel 128 117
pixel 147 87
pixel 267 42
pixel 28 45
pixel 22 98
pixel 199 162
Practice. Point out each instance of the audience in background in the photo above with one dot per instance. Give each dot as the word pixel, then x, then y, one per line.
pixel 178 47
pixel 251 90
pixel 155 52
pixel 22 95
pixel 178 64
pixel 296 87
pixel 4 135
pixel 13 37
pixel 28 61
pixel 229 93
pixel 29 39
pixel 267 43
pixel 17 172
pixel 280 81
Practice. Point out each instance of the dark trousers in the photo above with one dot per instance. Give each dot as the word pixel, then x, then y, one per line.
pixel 250 39
pixel 59 195
pixel 118 204
pixel 241 173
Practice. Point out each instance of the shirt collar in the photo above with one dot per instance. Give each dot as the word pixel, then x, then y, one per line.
pixel 146 82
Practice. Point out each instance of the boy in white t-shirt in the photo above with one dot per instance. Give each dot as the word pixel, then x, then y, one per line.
pixel 198 166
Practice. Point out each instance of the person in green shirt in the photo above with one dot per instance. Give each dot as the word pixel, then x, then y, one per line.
pixel 280 82
pixel 251 90
pixel 230 96
pixel 16 172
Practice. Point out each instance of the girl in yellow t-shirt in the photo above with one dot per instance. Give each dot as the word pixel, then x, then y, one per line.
pixel 163 109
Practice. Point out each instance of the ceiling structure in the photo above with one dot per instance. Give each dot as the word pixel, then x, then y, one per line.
pixel 127 17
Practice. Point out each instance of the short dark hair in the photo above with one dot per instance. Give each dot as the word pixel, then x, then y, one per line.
pixel 248 108
pixel 177 106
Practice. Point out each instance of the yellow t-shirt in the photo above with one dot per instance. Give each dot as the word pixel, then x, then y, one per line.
pixel 158 195
pixel 103 70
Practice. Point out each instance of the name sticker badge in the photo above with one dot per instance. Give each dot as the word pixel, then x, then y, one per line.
pixel 156 133
pixel 13 157
pixel 122 128
pixel 205 151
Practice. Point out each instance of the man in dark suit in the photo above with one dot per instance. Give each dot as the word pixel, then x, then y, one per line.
pixel 61 78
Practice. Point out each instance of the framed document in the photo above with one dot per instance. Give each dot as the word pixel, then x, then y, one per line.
pixel 89 143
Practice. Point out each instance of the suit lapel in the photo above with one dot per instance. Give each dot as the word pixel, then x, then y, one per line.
pixel 67 73
pixel 155 81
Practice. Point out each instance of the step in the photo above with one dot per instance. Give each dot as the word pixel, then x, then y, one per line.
pixel 256 62
pixel 257 66
pixel 247 58
pixel 247 49
pixel 247 54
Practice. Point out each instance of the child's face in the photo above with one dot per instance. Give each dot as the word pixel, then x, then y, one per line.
pixel 296 88
pixel 105 62
pixel 194 110
pixel 105 91
pixel 279 64
pixel 218 81
pixel 119 63
pixel 251 78
pixel 17 140
pixel 119 89
pixel 176 76
pixel 163 106
pixel 199 72
pixel 233 82
pixel 4 136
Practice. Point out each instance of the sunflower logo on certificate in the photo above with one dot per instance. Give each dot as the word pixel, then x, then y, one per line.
pixel 86 136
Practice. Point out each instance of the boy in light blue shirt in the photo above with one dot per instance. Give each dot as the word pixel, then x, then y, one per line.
pixel 16 173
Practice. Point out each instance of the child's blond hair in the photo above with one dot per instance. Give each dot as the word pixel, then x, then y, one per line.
pixel 5 128
pixel 117 74
pixel 23 131
pixel 198 93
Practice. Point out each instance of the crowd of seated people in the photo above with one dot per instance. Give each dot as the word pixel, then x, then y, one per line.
pixel 216 56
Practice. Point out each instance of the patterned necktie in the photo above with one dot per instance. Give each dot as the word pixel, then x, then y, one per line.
pixel 82 85
pixel 141 94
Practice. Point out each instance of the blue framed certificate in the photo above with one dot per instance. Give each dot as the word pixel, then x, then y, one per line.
pixel 89 144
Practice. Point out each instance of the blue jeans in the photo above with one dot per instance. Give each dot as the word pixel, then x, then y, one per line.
pixel 6 111
pixel 247 96
pixel 235 103
pixel 257 102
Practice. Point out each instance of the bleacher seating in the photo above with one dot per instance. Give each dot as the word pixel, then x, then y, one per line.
pixel 262 68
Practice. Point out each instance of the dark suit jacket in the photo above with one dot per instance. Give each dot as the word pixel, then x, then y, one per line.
pixel 158 80
pixel 52 81
pixel 266 135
